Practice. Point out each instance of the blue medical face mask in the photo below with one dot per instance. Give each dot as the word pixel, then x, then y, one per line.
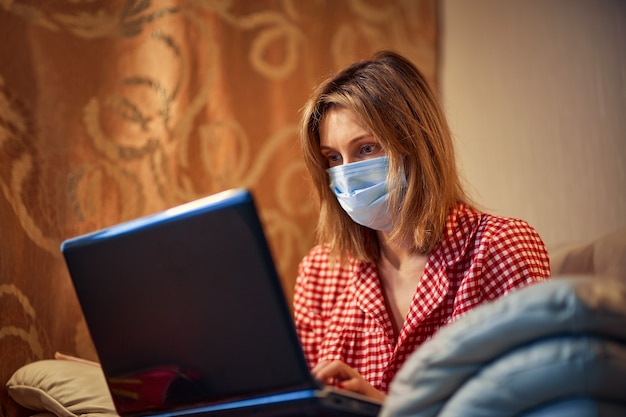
pixel 361 189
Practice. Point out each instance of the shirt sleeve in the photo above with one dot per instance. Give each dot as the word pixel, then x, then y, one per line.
pixel 307 314
pixel 318 288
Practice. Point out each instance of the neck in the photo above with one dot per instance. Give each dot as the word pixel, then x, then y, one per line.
pixel 392 253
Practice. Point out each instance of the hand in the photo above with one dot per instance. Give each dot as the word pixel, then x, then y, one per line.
pixel 338 373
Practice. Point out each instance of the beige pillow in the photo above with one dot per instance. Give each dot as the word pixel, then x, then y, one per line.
pixel 609 255
pixel 62 387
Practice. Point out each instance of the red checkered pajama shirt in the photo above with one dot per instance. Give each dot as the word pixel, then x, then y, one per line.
pixel 340 312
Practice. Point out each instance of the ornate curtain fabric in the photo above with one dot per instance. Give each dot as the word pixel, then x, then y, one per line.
pixel 112 110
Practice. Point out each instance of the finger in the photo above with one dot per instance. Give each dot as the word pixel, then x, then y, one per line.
pixel 334 372
pixel 320 365
pixel 321 373
pixel 361 386
pixel 327 368
pixel 353 384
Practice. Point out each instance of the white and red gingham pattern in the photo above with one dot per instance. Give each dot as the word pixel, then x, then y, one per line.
pixel 340 312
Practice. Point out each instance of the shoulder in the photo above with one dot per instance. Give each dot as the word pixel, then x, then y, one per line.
pixel 320 272
pixel 494 242
pixel 501 253
pixel 507 233
pixel 318 256
pixel 320 282
pixel 316 263
pixel 514 253
pixel 467 223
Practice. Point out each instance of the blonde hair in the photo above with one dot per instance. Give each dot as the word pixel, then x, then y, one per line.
pixel 395 101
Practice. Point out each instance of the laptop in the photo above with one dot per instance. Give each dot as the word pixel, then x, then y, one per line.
pixel 188 317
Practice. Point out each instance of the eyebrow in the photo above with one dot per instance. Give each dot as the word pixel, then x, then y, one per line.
pixel 353 140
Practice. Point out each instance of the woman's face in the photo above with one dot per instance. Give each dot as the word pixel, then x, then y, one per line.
pixel 345 138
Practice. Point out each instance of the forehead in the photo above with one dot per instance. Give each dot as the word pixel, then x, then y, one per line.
pixel 340 125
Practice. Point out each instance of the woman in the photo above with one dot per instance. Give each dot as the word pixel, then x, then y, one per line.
pixel 402 250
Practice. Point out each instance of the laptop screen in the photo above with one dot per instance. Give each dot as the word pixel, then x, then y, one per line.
pixel 185 306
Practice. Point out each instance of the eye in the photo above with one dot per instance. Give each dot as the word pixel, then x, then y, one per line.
pixel 369 149
pixel 333 159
